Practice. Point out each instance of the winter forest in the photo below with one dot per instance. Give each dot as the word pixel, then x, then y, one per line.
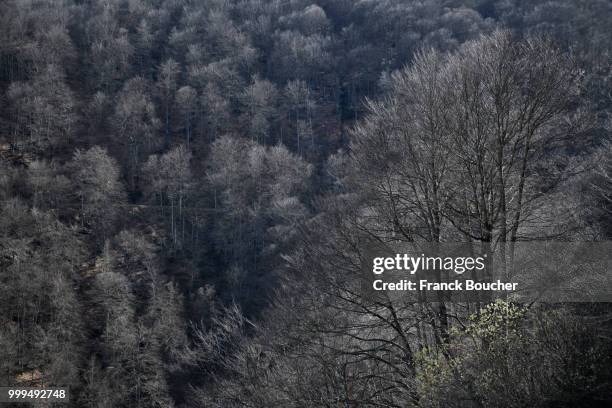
pixel 186 187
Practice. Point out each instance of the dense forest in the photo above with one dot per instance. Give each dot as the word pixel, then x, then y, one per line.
pixel 187 186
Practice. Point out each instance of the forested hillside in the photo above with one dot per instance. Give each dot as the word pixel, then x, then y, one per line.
pixel 186 187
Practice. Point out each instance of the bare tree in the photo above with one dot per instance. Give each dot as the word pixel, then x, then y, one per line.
pixel 170 176
pixel 135 124
pixel 511 104
pixel 44 109
pixel 259 100
pixel 98 188
pixel 167 84
pixel 187 104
